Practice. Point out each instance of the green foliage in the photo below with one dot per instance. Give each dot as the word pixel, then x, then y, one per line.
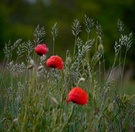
pixel 33 97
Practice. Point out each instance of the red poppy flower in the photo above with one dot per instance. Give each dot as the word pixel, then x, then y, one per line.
pixel 55 62
pixel 77 95
pixel 41 49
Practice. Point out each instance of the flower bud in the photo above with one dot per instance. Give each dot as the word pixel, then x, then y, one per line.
pixel 29 66
pixel 68 60
pixel 82 79
pixel 84 75
pixel 40 68
pixel 31 62
pixel 15 120
pixel 100 47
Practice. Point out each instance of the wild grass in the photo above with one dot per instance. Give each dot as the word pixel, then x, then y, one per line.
pixel 33 97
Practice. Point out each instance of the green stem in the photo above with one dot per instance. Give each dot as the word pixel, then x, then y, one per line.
pixel 112 68
pixel 71 113
pixel 74 47
pixel 24 119
pixel 100 73
pixel 123 66
pixel 88 36
pixel 120 71
pixel 53 44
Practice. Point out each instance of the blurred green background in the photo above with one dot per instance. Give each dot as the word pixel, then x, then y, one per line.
pixel 18 19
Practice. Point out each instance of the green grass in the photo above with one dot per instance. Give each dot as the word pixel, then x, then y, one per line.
pixel 128 87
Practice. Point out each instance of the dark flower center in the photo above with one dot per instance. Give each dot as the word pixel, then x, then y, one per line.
pixel 39 53
pixel 52 66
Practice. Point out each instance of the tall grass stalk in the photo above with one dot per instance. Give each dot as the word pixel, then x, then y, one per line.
pixel 54 33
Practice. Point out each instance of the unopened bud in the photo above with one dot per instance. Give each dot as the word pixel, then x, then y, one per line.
pixel 84 75
pixel 82 79
pixel 40 68
pixel 15 120
pixel 30 66
pixel 68 60
pixel 100 47
pixel 31 62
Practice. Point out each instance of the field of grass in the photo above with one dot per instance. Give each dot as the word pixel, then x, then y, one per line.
pixel 128 87
pixel 34 91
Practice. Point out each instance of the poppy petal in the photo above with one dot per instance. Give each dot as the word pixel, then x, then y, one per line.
pixel 77 95
pixel 55 62
pixel 41 49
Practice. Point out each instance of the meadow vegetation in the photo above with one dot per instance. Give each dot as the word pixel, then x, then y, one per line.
pixel 33 96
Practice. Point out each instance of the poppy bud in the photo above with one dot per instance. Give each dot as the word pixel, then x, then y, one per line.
pixel 40 68
pixel 32 62
pixel 100 47
pixel 68 60
pixel 84 75
pixel 77 95
pixel 81 80
pixel 15 120
pixel 30 66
